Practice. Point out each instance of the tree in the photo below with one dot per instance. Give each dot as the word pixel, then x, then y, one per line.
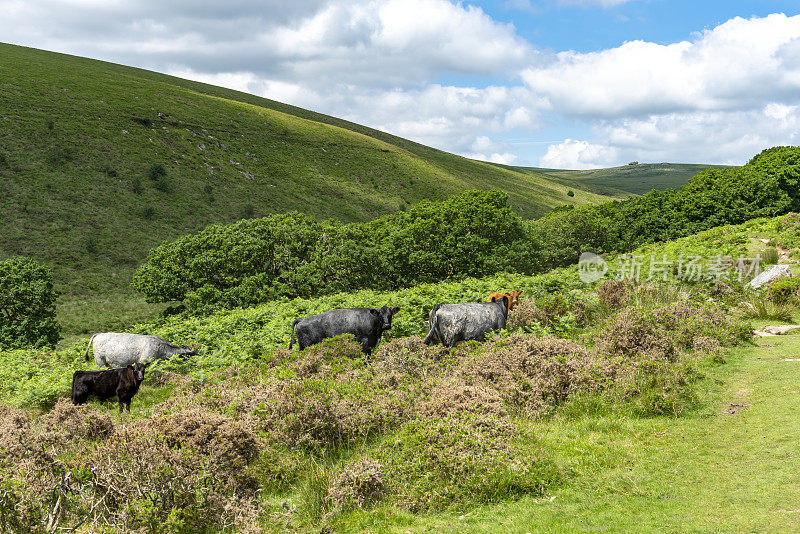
pixel 27 305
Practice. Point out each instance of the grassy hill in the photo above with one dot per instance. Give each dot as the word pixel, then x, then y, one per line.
pixel 101 162
pixel 628 180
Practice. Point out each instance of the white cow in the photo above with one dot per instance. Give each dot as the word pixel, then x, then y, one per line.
pixel 119 349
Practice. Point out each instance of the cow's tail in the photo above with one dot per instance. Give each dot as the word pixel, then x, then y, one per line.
pixel 86 354
pixel 433 325
pixel 291 340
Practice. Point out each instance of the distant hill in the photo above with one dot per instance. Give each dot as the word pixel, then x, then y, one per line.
pixel 101 162
pixel 626 180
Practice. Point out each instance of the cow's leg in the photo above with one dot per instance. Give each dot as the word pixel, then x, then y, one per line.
pixel 121 406
pixel 365 345
pixel 128 405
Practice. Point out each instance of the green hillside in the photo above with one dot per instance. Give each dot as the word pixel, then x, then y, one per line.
pixel 626 180
pixel 101 162
pixel 79 139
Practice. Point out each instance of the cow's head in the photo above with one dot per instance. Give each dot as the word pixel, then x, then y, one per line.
pixel 138 371
pixel 513 298
pixel 188 351
pixel 386 314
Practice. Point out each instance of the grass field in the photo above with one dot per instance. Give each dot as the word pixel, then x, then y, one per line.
pixel 729 467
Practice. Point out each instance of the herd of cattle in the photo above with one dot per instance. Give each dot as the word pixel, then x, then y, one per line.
pixel 130 354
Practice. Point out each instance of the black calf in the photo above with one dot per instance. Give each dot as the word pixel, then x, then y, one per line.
pixel 122 383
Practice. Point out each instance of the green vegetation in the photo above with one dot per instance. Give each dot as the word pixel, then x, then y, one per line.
pixel 628 180
pixel 712 198
pixel 317 437
pixel 27 305
pixel 291 255
pixel 786 291
pixel 128 158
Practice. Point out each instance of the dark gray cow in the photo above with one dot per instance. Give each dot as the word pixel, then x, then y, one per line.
pixel 118 349
pixel 366 324
pixel 451 323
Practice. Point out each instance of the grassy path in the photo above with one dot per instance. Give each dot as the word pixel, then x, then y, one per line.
pixel 734 467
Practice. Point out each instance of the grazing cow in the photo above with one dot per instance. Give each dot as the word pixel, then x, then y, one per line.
pixel 112 349
pixel 122 383
pixel 513 298
pixel 366 324
pixel 451 323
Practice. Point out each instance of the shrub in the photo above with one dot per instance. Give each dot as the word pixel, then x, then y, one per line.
pixel 770 256
pixel 27 305
pixel 66 423
pixel 431 464
pixel 613 294
pixel 536 374
pixel 148 213
pixel 158 175
pixel 634 333
pixel 295 255
pixel 756 307
pixel 785 291
pixel 527 317
pixel 358 486
pixel 570 193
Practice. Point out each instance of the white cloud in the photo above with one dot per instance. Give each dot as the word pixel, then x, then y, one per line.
pixel 505 158
pixel 574 154
pixel 740 63
pixel 720 96
pixel 721 137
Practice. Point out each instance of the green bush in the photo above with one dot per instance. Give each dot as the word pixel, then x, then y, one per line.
pixel 27 305
pixel 785 291
pixel 432 464
pixel 293 255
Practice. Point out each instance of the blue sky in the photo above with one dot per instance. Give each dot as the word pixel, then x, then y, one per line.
pixel 553 83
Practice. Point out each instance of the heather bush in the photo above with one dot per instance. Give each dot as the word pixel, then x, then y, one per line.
pixel 409 356
pixel 537 374
pixel 435 463
pixel 785 291
pixel 66 423
pixel 653 385
pixel 358 486
pixel 634 332
pixel 613 294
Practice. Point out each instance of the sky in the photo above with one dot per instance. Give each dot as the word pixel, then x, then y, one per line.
pixel 570 84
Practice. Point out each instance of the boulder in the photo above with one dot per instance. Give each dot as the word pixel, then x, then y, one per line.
pixel 776 330
pixel 772 273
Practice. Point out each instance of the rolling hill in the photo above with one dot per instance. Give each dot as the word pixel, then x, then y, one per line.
pixel 627 180
pixel 101 162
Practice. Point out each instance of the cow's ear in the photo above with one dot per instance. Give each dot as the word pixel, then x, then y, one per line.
pixel 505 300
pixel 521 292
pixel 494 298
pixel 394 310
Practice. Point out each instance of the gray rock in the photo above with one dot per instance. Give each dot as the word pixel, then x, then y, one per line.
pixel 772 273
pixel 776 330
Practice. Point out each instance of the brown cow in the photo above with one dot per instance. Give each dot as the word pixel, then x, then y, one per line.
pixel 513 298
